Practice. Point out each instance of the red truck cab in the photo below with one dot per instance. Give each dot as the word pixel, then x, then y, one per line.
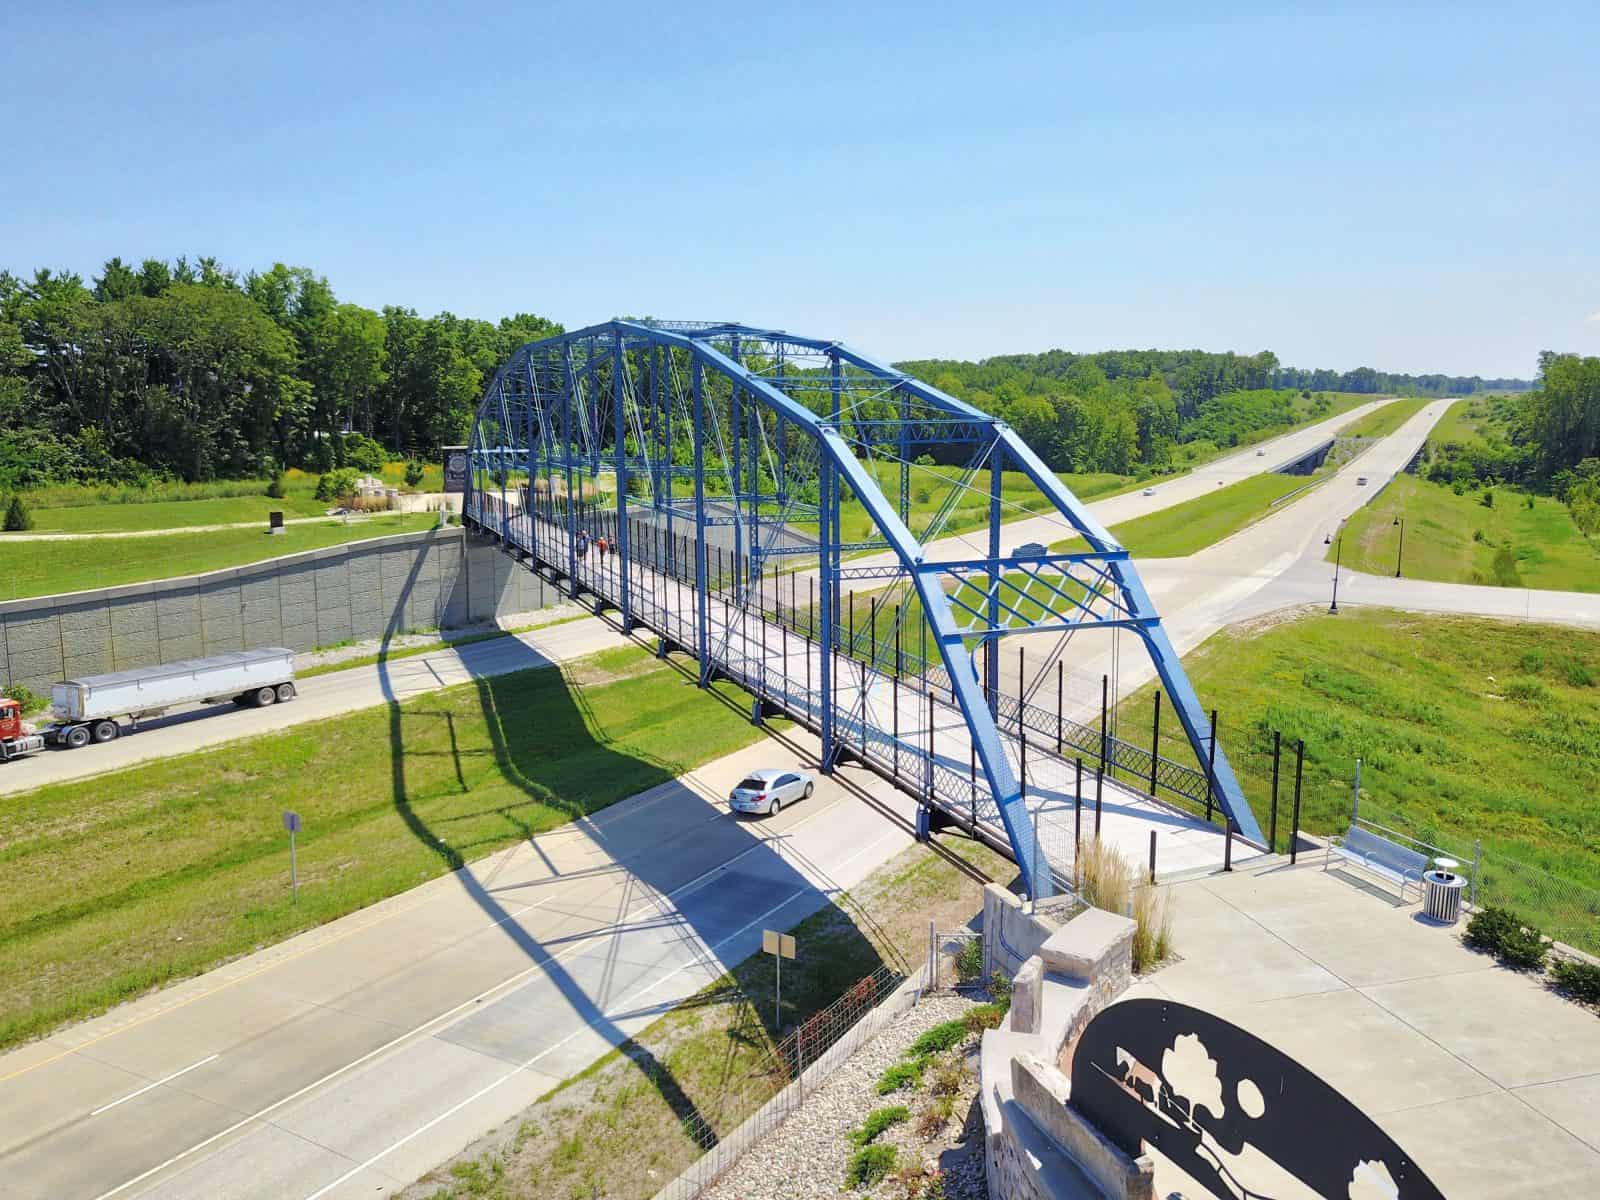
pixel 16 739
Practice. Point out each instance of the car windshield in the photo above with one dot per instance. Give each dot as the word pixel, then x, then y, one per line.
pixel 753 784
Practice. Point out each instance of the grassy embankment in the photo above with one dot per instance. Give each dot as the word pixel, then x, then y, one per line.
pixel 1467 729
pixel 114 884
pixel 107 509
pixel 1498 536
pixel 38 568
pixel 624 1127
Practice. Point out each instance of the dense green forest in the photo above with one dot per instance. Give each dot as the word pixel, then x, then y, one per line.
pixel 1547 440
pixel 189 371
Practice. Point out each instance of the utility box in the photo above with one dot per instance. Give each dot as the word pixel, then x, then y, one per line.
pixel 274 522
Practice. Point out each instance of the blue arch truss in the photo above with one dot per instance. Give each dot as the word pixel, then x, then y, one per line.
pixel 730 468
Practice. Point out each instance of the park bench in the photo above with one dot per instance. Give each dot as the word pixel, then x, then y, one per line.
pixel 1380 856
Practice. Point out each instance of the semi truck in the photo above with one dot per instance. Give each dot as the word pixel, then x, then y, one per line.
pixel 93 708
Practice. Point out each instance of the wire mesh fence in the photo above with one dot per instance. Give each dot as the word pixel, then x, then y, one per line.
pixel 796 1067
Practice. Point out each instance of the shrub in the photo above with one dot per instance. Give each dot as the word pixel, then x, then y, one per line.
pixel 948 1078
pixel 1487 499
pixel 25 696
pixel 984 1016
pixel 1577 673
pixel 337 485
pixel 923 460
pixel 934 1114
pixel 414 473
pixel 940 1038
pixel 19 516
pixel 969 960
pixel 1580 980
pixel 868 1165
pixel 362 452
pixel 921 1183
pixel 275 489
pixel 1000 991
pixel 1502 933
pixel 1105 877
pixel 1477 535
pixel 1152 935
pixel 902 1075
pixel 877 1121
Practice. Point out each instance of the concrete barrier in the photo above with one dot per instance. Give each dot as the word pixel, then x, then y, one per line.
pixel 439 578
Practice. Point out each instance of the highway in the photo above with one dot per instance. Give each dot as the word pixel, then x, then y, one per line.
pixel 349 1060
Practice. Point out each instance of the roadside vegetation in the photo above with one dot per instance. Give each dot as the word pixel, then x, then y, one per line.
pixel 125 881
pixel 1507 491
pixel 620 1131
pixel 1492 535
pixel 1467 729
pixel 46 567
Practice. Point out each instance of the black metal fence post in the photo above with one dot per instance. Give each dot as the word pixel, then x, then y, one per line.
pixel 1155 743
pixel 1105 692
pixel 1060 700
pixel 1294 834
pixel 1277 755
pixel 1099 797
pixel 1211 765
pixel 1152 856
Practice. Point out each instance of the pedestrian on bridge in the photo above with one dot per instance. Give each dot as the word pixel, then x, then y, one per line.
pixel 582 544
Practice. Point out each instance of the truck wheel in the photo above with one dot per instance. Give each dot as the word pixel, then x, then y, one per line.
pixel 106 731
pixel 285 692
pixel 265 696
pixel 77 737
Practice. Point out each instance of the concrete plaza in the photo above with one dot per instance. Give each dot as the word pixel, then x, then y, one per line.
pixel 1483 1075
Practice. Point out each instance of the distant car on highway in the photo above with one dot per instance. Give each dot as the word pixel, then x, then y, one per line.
pixel 1261 453
pixel 769 789
pixel 1149 491
pixel 1361 481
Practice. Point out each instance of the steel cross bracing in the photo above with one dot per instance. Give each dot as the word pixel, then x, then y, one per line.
pixel 730 469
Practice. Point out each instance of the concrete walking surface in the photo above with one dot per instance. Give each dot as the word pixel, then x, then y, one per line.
pixel 1483 1075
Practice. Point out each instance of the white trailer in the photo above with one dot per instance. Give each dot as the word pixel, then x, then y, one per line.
pixel 91 708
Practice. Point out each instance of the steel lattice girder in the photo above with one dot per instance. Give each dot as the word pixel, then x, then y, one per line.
pixel 546 408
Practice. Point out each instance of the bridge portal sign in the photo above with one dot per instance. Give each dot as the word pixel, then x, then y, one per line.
pixel 1239 1115
pixel 455 469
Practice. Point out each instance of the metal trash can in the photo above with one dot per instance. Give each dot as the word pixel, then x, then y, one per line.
pixel 1441 895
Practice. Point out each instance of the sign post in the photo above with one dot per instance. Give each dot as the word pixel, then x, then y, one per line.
pixel 291 822
pixel 780 946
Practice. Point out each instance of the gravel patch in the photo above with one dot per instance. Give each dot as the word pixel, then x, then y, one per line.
pixel 806 1158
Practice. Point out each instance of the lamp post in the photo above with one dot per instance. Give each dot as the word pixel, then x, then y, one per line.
pixel 1400 553
pixel 1338 551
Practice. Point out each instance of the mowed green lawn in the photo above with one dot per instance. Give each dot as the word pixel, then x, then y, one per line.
pixel 1467 729
pixel 1183 529
pixel 173 514
pixel 115 884
pixel 1457 539
pixel 38 568
pixel 1381 422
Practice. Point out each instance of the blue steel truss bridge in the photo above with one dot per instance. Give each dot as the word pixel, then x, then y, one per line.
pixel 777 506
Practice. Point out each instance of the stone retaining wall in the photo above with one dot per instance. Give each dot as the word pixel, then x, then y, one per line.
pixel 436 579
pixel 1037 1147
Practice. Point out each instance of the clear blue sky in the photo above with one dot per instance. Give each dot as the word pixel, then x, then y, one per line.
pixel 1415 190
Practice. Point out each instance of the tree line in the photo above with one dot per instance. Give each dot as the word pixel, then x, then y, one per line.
pixel 190 371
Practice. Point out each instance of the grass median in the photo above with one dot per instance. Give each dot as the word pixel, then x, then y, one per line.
pixel 125 881
pixel 1381 422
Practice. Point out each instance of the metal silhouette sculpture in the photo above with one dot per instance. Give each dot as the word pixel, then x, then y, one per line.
pixel 1203 1092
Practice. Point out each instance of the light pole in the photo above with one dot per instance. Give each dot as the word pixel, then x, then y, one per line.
pixel 1400 553
pixel 1338 551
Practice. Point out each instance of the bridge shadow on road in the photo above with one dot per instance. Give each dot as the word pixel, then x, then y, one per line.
pixel 625 908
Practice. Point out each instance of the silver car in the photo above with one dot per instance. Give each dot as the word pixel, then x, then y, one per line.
pixel 768 790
